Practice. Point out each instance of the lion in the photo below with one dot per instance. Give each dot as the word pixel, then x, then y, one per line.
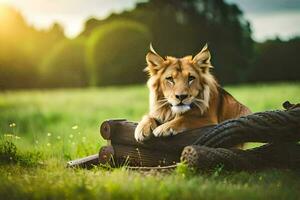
pixel 184 95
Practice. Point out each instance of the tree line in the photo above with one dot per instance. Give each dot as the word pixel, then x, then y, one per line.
pixel 112 51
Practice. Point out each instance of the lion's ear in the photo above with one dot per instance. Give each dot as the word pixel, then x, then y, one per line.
pixel 202 59
pixel 154 61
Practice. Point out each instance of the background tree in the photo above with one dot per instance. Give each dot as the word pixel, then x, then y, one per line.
pixel 65 65
pixel 116 53
pixel 17 69
pixel 22 49
pixel 276 60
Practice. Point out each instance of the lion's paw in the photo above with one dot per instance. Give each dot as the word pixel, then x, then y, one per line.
pixel 144 129
pixel 164 130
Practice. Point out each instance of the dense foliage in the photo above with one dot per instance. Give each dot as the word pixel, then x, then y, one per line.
pixel 65 65
pixel 116 53
pixel 276 60
pixel 22 49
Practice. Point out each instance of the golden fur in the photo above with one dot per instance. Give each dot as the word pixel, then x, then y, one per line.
pixel 184 95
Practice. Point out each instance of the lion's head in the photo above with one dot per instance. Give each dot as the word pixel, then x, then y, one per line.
pixel 178 85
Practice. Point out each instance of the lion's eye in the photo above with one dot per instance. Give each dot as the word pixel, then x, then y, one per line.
pixel 191 78
pixel 170 79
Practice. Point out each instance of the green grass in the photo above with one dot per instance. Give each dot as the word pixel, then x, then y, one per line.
pixel 41 130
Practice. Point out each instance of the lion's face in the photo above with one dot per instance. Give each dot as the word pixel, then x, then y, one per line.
pixel 179 83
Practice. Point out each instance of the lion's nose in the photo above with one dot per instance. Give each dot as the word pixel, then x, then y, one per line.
pixel 181 97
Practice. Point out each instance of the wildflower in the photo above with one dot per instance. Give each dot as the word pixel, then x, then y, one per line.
pixel 75 127
pixel 8 135
pixel 49 134
pixel 12 125
pixel 12 136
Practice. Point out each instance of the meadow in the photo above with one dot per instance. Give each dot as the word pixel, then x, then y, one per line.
pixel 41 130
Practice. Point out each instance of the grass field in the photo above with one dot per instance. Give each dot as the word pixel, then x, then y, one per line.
pixel 41 130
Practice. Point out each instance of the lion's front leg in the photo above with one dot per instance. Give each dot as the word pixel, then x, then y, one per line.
pixel 144 128
pixel 169 128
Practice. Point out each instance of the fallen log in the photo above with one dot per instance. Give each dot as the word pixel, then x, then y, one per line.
pixel 121 132
pixel 122 155
pixel 123 149
pixel 278 156
pixel 264 127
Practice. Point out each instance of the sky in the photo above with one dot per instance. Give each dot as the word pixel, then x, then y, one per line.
pixel 269 18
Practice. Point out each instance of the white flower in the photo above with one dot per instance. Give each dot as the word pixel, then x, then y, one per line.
pixel 75 127
pixel 17 137
pixel 12 125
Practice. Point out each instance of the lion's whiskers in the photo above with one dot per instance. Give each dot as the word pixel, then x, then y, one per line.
pixel 162 100
pixel 202 101
pixel 196 104
pixel 201 104
pixel 161 103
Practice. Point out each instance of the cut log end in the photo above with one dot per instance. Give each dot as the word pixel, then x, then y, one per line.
pixel 105 130
pixel 287 105
pixel 106 154
pixel 189 156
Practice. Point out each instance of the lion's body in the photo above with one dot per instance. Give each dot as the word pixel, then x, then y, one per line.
pixel 184 95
